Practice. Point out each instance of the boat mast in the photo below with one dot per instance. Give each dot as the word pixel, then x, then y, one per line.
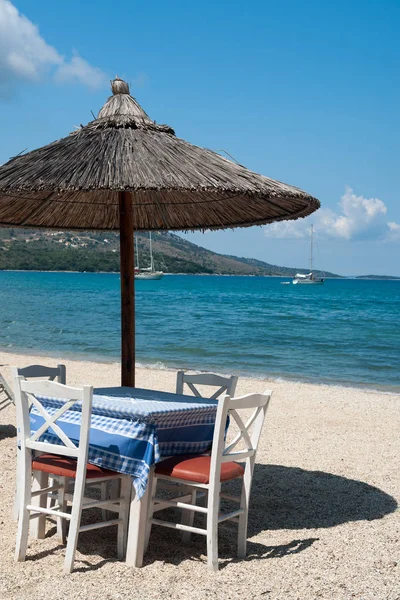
pixel 137 253
pixel 311 252
pixel 151 254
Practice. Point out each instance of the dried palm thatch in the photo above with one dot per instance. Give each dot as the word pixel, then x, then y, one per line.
pixel 75 182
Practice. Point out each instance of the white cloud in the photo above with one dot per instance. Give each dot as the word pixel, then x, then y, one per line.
pixel 79 70
pixel 394 231
pixel 358 218
pixel 287 229
pixel 26 56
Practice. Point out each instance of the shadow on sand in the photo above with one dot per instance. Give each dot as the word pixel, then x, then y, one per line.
pixel 7 431
pixel 283 498
pixel 293 498
pixel 287 498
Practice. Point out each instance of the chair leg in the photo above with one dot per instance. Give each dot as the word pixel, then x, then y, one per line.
pixel 61 523
pixel 16 504
pixel 74 525
pixel 24 495
pixel 188 515
pixel 52 500
pixel 243 518
pixel 125 499
pixel 104 494
pixel 115 488
pixel 150 513
pixel 18 483
pixel 22 535
pixel 72 542
pixel 113 493
pixel 38 525
pixel 212 528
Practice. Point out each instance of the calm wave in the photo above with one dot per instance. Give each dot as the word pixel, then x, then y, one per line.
pixel 344 332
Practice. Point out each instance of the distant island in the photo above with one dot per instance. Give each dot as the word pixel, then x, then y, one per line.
pixel 377 277
pixel 48 250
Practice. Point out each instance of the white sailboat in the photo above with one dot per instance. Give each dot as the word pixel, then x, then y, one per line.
pixel 310 278
pixel 148 272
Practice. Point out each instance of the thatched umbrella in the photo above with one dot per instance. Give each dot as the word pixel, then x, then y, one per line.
pixel 125 172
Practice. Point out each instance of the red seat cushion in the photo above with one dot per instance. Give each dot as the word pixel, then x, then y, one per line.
pixel 196 468
pixel 65 466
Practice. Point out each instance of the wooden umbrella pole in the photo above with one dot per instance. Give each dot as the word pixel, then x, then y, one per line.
pixel 127 267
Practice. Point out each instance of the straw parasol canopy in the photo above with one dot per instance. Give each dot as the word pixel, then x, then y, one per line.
pixel 125 172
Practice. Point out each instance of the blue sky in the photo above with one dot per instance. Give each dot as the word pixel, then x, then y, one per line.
pixel 304 92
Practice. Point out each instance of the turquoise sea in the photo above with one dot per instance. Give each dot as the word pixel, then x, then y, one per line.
pixel 344 332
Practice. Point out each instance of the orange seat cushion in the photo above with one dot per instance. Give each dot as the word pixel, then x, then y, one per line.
pixel 196 468
pixel 64 466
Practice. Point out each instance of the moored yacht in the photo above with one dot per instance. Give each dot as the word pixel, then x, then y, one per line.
pixel 309 278
pixel 148 272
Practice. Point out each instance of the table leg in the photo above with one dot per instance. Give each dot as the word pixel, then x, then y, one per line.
pixel 37 528
pixel 138 516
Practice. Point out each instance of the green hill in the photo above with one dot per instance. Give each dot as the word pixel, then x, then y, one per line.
pixel 47 250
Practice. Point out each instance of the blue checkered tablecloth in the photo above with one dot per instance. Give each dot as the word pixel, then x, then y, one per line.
pixel 132 429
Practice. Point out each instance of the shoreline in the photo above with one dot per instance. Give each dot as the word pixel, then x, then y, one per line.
pixel 338 277
pixel 158 366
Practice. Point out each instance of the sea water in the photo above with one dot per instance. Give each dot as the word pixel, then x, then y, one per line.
pixel 344 332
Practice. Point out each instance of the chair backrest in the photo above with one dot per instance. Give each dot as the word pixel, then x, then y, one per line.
pixel 224 384
pixel 244 445
pixel 6 391
pixel 29 394
pixel 57 373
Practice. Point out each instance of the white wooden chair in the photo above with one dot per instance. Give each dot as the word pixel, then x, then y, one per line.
pixel 57 373
pixel 209 472
pixel 67 461
pixel 225 385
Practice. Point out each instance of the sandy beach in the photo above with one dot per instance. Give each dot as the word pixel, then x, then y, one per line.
pixel 323 521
